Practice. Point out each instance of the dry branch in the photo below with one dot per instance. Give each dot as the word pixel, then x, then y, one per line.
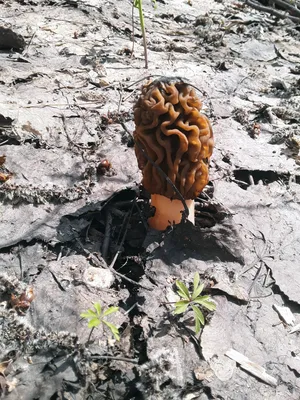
pixel 272 11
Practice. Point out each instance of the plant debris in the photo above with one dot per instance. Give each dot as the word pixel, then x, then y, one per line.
pixel 74 215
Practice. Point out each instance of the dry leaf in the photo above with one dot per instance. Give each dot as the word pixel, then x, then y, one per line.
pixel 4 365
pixel 4 177
pixel 11 385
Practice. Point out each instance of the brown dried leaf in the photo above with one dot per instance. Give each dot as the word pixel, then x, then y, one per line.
pixel 4 365
pixel 5 177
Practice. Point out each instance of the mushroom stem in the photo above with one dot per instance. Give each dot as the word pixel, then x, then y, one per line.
pixel 169 212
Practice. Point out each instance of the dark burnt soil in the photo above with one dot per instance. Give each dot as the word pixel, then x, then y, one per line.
pixel 74 217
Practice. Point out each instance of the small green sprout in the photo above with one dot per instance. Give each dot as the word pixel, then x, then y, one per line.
pixel 193 299
pixel 96 316
pixel 138 4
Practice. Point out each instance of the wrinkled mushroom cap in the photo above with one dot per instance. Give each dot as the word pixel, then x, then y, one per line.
pixel 175 135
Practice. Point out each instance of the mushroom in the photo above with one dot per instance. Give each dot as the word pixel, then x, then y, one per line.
pixel 171 135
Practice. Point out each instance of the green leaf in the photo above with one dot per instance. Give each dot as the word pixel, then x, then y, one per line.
pixel 198 314
pixel 97 307
pixel 183 290
pixel 117 336
pixel 111 326
pixel 114 329
pixel 210 305
pixel 197 326
pixel 196 280
pixel 182 302
pixel 197 291
pixel 88 314
pixel 110 310
pixel 206 297
pixel 94 322
pixel 181 306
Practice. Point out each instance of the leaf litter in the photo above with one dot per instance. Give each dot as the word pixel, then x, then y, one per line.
pixel 66 111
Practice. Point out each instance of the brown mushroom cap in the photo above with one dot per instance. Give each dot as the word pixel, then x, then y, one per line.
pixel 175 135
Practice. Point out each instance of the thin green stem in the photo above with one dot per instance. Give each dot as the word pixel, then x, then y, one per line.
pixel 138 4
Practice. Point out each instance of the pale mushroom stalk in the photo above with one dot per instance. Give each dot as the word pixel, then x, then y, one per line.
pixel 169 212
pixel 173 136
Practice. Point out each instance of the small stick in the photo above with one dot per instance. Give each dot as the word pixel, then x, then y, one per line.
pixel 132 360
pixel 60 254
pixel 271 11
pixel 90 335
pixel 107 234
pixel 254 279
pixel 131 308
pixel 25 53
pixel 288 6
pixel 141 216
pixel 116 212
pixel 98 263
pixel 251 366
pixel 21 265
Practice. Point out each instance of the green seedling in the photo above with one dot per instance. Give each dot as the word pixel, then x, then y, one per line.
pixel 193 300
pixel 138 4
pixel 96 317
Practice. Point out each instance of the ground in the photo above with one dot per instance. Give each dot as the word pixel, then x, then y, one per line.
pixel 74 216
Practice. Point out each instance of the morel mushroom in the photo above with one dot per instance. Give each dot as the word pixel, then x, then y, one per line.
pixel 172 134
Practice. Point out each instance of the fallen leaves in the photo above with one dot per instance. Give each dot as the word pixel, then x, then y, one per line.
pixel 22 303
pixel 5 385
pixel 4 173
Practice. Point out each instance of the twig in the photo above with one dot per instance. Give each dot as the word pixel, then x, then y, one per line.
pixel 141 216
pixel 98 263
pixel 21 265
pixel 68 137
pixel 116 212
pixel 131 308
pixel 107 233
pixel 123 276
pixel 25 53
pixel 288 6
pixel 250 366
pixel 60 254
pixel 120 99
pixel 132 360
pixel 255 279
pixel 271 11
pixel 111 265
pixel 127 97
pixel 70 21
pixel 90 335
pixel 80 115
pixel 88 230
